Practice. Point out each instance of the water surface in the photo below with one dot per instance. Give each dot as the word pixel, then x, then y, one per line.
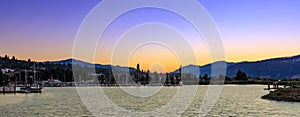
pixel 235 100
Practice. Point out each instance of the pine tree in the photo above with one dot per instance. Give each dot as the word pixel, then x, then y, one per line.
pixel 244 76
pixel 239 75
pixel 205 77
pixel 6 57
pixel 13 58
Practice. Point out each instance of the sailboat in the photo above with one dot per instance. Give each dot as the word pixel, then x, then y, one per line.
pixel 28 88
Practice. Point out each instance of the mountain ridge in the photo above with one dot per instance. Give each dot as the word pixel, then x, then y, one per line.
pixel 273 68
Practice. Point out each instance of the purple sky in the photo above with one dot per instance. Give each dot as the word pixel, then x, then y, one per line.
pixel 250 29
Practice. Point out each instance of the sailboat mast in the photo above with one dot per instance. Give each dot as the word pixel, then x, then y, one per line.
pixel 26 80
pixel 34 73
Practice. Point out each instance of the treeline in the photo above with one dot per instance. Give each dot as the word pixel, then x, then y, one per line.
pixel 240 78
pixel 20 68
pixel 13 62
pixel 64 72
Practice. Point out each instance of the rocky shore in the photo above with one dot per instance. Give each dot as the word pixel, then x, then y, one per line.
pixel 284 94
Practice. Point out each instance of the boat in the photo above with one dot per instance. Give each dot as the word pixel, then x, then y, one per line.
pixel 29 89
pixel 23 91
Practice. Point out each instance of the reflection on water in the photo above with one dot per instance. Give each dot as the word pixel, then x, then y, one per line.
pixel 52 102
pixel 235 100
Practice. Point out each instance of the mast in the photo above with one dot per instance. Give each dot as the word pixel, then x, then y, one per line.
pixel 26 80
pixel 34 74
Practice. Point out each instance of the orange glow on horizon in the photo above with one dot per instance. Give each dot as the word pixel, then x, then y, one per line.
pixel 167 61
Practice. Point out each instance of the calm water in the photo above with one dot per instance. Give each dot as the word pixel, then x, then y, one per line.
pixel 235 100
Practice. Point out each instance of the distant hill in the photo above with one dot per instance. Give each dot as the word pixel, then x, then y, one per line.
pixel 82 63
pixel 276 68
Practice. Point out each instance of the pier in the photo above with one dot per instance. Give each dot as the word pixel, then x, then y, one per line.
pixel 14 89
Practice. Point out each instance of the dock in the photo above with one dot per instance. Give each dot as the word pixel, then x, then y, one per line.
pixel 14 89
pixel 275 86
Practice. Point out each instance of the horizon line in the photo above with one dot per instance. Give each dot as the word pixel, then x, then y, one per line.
pixel 94 63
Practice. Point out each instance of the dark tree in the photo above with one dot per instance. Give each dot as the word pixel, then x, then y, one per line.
pixel 6 57
pixel 241 75
pixel 13 58
pixel 244 76
pixel 167 78
pixel 205 77
pixel 148 77
pixel 137 73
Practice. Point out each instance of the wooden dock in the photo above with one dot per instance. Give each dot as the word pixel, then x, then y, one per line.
pixel 14 89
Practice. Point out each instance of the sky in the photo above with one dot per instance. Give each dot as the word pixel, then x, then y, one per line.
pixel 45 30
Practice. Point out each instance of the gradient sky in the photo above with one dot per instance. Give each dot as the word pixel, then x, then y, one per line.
pixel 250 29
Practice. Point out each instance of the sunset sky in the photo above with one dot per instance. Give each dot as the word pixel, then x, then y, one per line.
pixel 44 30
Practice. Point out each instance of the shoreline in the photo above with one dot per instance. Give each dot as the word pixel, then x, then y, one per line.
pixel 284 94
